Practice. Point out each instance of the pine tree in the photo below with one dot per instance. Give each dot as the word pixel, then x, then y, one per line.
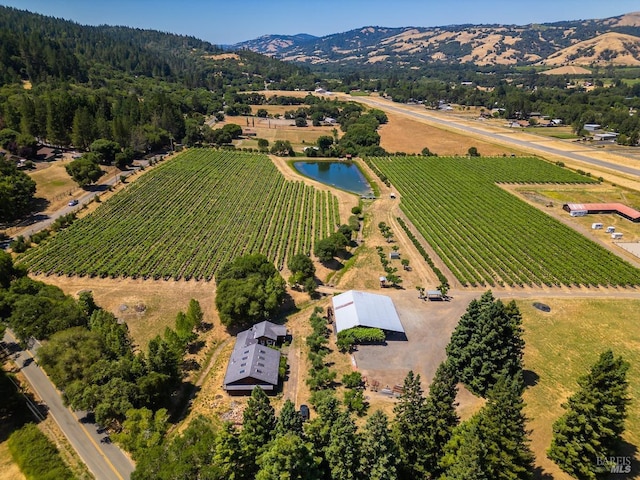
pixel 258 426
pixel 464 453
pixel 440 416
pixel 227 455
pixel 288 458
pixel 507 451
pixel 194 313
pixel 487 343
pixel 591 428
pixel 289 420
pixel 379 454
pixel 492 444
pixel 409 428
pixel 343 452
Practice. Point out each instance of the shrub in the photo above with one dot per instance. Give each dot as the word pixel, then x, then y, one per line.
pixel 37 457
pixel 358 335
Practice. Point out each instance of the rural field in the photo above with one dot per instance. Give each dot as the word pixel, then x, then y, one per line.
pixel 486 236
pixel 183 218
pixel 561 346
pixel 189 216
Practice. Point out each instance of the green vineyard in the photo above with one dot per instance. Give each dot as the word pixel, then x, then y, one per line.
pixel 189 216
pixel 486 236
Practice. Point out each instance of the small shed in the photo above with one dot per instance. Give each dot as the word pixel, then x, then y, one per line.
pixel 434 295
pixel 596 226
pixel 394 255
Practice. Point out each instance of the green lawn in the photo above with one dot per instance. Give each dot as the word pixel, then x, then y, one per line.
pixel 561 346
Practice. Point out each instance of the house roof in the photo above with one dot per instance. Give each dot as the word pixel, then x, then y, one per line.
pixel 361 309
pixel 253 361
pixel 269 330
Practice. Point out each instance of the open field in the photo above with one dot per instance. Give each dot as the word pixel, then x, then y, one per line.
pixel 189 216
pixel 54 184
pixel 561 346
pixel 486 236
pixel 403 134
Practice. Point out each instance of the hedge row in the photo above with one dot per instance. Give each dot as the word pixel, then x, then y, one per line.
pixel 37 457
pixel 425 255
pixel 358 335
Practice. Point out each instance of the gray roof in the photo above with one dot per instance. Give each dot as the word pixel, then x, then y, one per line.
pixel 269 330
pixel 253 361
pixel 361 309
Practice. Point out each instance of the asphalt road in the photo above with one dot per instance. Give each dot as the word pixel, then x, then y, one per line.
pixel 40 221
pixel 105 460
pixel 503 138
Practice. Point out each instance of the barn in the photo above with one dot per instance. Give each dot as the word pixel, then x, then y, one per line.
pixel 253 363
pixel 361 309
pixel 577 209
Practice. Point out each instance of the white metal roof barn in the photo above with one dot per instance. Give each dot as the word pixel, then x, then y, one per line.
pixel 360 309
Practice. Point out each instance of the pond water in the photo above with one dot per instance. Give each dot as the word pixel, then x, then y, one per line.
pixel 344 175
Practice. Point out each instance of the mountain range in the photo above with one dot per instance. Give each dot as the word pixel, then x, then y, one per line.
pixel 610 41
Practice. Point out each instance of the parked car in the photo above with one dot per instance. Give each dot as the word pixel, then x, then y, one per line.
pixel 73 203
pixel 304 412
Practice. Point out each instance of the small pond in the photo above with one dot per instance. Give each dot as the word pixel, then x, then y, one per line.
pixel 344 175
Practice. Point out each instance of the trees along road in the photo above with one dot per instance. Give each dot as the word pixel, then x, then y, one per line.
pixel 503 138
pixel 105 460
pixel 40 221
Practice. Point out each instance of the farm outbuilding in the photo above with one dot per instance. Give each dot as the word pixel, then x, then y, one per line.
pixel 361 309
pixel 253 363
pixel 581 209
pixel 434 295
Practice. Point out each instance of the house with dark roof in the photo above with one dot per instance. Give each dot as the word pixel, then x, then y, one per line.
pixel 253 362
pixel 267 333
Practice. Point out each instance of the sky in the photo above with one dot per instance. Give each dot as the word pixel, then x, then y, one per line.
pixel 225 22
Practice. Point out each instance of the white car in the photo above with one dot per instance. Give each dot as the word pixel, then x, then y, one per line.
pixel 73 203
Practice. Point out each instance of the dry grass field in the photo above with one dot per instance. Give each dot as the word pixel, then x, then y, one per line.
pixel 402 134
pixel 561 346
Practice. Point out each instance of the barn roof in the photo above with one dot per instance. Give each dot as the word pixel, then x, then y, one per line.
pixel 361 309
pixel 618 208
pixel 256 362
pixel 268 330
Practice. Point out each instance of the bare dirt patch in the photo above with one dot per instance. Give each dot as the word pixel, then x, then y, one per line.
pixel 402 134
pixel 223 56
pixel 567 70
pixel 147 306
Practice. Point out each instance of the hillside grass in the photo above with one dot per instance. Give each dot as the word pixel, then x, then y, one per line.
pixel 561 346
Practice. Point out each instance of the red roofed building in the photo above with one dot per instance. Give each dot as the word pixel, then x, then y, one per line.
pixel 577 209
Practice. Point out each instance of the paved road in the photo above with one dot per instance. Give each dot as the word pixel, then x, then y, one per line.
pixel 40 221
pixel 504 138
pixel 105 460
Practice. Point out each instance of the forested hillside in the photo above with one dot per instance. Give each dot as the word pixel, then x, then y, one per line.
pixel 66 84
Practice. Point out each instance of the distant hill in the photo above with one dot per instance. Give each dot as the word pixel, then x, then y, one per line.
pixel 614 40
pixel 42 49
